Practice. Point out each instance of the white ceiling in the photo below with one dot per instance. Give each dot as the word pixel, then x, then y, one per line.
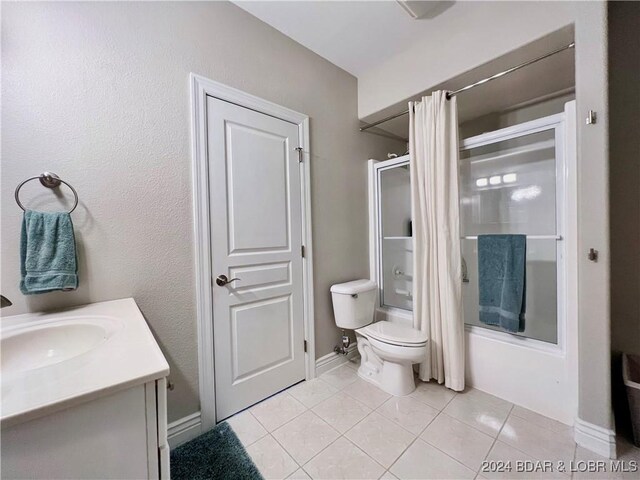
pixel 372 30
pixel 361 35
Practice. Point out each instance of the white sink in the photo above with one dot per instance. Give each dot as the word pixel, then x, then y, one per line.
pixel 52 361
pixel 38 346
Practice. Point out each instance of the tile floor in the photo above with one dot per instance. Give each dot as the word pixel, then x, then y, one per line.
pixel 339 426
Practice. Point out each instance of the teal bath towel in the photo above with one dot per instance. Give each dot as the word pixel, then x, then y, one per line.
pixel 501 277
pixel 47 253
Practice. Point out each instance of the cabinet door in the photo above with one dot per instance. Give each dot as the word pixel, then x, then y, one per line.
pixel 163 442
pixel 104 438
pixel 157 443
pixel 153 465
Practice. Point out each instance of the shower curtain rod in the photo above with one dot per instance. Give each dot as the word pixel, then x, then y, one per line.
pixel 473 85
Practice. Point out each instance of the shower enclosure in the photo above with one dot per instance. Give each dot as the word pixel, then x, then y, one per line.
pixel 511 182
pixel 517 180
pixel 390 235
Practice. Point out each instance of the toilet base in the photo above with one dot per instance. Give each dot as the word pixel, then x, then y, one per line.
pixel 393 377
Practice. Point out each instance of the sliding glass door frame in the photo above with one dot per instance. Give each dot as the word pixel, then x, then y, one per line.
pixel 376 169
pixel 557 124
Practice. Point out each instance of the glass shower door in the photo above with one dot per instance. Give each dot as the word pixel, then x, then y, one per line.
pixel 510 185
pixel 394 236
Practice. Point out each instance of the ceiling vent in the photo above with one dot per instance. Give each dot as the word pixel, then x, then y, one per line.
pixel 422 9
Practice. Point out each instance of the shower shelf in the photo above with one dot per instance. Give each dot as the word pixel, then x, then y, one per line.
pixel 475 237
pixel 529 237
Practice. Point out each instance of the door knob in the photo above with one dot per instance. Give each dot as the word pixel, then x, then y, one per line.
pixel 222 280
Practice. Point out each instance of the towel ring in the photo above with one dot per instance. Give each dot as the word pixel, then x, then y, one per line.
pixel 49 180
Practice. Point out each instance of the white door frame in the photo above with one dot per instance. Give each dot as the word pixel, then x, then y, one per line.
pixel 202 87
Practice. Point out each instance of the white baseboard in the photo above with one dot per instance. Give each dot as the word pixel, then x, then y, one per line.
pixel 595 438
pixel 184 429
pixel 333 360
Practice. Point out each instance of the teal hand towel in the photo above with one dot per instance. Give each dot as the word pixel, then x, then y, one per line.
pixel 47 253
pixel 501 278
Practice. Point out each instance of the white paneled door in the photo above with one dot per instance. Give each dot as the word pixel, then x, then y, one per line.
pixel 256 242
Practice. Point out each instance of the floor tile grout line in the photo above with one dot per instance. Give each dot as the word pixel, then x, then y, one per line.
pixel 372 408
pixel 325 384
pixel 522 451
pixel 442 451
pixel 340 434
pixel 322 450
pixel 398 423
pixel 369 456
pixel 473 426
pixel 356 424
pixel 342 388
pixel 442 412
pixel 333 394
pixel 342 364
pixel 259 423
pixel 343 435
pixel 383 416
pixel 288 453
pixel 422 431
pixel 414 441
pixel 415 437
pixel 352 443
pixel 511 414
pixel 495 440
pixel 357 400
pixel 313 413
pixel 307 473
pixel 252 416
pixel 291 419
pixel 556 432
pixel 432 406
pixel 511 446
pixel 335 368
pixel 451 456
pixel 386 468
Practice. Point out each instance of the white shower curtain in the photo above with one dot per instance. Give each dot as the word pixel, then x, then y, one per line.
pixel 437 275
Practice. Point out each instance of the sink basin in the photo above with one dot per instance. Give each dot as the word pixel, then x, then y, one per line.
pixel 42 345
pixel 51 361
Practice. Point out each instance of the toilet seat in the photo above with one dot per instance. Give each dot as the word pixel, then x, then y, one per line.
pixel 394 334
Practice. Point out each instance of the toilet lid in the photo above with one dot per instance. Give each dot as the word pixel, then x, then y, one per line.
pixel 395 334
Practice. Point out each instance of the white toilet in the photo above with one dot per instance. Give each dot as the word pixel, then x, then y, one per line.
pixel 388 350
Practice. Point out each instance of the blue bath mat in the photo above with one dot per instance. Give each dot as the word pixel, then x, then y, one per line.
pixel 217 454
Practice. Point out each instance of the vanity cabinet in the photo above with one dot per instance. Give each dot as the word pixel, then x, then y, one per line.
pixel 84 395
pixel 122 435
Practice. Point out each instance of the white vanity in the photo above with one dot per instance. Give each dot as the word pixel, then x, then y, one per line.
pixel 83 395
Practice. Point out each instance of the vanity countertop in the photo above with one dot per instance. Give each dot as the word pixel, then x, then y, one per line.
pixel 52 361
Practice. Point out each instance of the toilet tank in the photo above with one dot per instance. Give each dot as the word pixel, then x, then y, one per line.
pixel 354 303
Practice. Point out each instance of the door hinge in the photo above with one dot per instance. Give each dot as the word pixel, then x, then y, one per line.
pixel 302 251
pixel 299 150
pixel 305 346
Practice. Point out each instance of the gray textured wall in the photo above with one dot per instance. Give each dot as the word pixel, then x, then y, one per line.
pixel 98 93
